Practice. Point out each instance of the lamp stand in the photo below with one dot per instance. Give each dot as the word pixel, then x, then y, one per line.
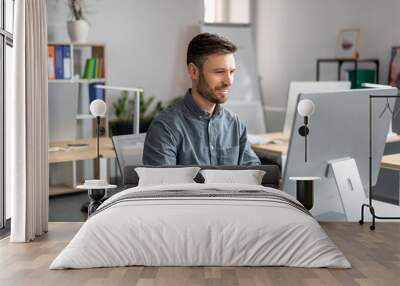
pixel 98 147
pixel 96 195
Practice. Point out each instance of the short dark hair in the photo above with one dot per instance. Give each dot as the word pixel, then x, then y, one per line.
pixel 206 44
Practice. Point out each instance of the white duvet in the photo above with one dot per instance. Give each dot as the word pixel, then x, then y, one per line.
pixel 200 231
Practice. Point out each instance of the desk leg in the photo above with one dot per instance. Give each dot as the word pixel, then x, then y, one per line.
pixel 355 73
pixel 74 180
pixel 339 71
pixel 104 170
pixel 377 71
pixel 69 174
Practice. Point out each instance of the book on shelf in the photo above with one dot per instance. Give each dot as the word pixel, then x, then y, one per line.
pixel 87 74
pixel 86 69
pixel 59 62
pixel 96 93
pixel 97 68
pixel 103 73
pixel 51 64
pixel 67 61
pixel 94 68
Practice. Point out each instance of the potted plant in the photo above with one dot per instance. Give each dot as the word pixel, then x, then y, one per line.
pixel 147 114
pixel 78 27
pixel 124 108
pixel 123 122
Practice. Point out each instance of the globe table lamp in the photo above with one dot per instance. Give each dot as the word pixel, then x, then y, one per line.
pixel 98 109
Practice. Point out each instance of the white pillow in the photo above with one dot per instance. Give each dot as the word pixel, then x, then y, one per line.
pixel 166 176
pixel 249 177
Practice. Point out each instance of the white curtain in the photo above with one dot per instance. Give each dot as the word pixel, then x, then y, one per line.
pixel 26 117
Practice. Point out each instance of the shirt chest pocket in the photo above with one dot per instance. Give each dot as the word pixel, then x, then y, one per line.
pixel 229 156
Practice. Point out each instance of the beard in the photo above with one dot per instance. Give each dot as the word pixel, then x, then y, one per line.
pixel 207 92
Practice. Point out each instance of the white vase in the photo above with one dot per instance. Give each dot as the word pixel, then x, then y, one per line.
pixel 78 31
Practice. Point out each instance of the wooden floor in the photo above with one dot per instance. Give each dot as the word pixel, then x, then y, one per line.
pixel 375 257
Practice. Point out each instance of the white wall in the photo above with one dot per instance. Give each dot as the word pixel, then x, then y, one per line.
pixel 239 11
pixel 227 11
pixel 291 35
pixel 146 40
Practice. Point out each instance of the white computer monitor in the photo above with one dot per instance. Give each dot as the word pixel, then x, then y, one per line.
pixel 297 87
pixel 339 129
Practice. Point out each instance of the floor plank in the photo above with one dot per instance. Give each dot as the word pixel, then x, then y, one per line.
pixel 375 257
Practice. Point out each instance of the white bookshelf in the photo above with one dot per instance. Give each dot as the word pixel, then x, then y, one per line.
pixel 76 64
pixel 79 53
pixel 70 118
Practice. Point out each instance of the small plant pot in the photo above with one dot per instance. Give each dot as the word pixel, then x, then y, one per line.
pixel 121 128
pixel 125 127
pixel 144 126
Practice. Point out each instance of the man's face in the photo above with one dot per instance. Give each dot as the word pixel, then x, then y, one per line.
pixel 216 77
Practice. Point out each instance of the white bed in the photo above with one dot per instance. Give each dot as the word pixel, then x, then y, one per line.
pixel 225 225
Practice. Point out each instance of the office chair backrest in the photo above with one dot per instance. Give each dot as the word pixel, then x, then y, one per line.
pixel 128 150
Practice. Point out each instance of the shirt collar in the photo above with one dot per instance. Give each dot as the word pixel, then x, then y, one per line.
pixel 192 105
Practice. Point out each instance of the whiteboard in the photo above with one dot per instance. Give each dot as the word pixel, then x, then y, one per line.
pixel 245 97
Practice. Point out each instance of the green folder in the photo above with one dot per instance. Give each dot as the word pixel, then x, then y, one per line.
pixel 86 72
pixel 92 67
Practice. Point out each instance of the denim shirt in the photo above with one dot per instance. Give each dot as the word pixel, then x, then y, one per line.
pixel 184 134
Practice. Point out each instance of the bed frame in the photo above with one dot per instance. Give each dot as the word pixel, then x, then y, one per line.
pixel 271 178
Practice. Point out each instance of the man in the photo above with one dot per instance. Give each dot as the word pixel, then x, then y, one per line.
pixel 198 130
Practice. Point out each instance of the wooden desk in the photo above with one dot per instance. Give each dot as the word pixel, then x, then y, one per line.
pixel 393 139
pixel 275 149
pixel 81 153
pixel 74 154
pixel 391 161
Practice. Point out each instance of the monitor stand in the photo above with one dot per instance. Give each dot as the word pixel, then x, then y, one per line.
pixel 348 182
